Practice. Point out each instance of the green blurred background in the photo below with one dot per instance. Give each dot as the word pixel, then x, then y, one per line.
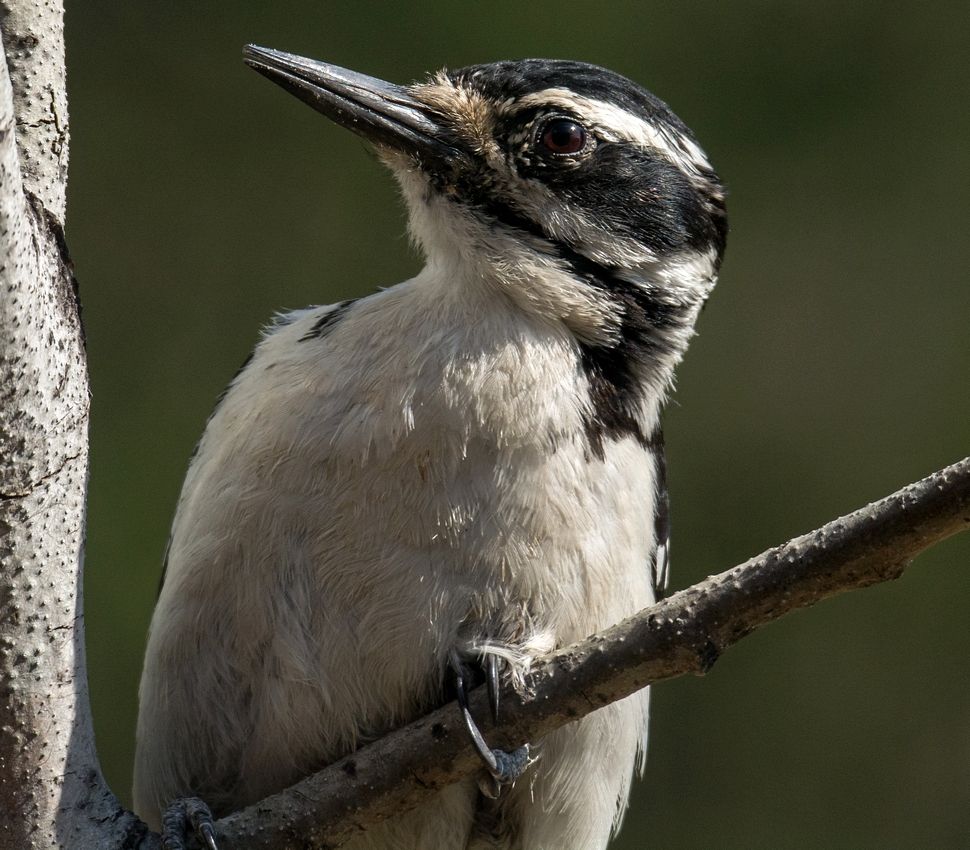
pixel 831 367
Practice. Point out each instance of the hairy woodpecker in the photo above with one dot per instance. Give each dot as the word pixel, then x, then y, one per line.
pixel 468 465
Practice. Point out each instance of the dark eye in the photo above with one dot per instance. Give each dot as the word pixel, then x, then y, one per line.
pixel 563 136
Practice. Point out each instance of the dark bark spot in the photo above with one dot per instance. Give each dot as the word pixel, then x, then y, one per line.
pixel 708 655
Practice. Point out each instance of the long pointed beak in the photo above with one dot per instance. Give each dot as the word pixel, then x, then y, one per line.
pixel 383 113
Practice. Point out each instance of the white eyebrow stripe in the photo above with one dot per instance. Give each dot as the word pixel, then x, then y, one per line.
pixel 616 124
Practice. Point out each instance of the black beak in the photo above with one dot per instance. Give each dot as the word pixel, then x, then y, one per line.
pixel 383 113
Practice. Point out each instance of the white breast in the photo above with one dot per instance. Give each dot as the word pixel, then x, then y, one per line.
pixel 418 477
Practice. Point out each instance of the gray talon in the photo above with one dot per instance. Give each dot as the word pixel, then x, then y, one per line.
pixel 492 680
pixel 502 768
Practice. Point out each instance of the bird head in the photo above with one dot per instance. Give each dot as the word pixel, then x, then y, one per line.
pixel 546 170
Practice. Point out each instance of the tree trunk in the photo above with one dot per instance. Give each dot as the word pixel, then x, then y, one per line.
pixel 51 790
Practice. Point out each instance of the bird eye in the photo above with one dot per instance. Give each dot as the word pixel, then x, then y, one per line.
pixel 563 136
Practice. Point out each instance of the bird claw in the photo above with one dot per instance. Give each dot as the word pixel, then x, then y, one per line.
pixel 188 816
pixel 492 682
pixel 502 768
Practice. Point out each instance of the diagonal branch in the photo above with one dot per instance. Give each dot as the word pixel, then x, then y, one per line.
pixel 683 634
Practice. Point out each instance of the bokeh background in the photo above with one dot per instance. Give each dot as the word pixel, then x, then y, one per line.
pixel 831 367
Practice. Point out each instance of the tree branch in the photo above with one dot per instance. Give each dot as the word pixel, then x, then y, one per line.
pixel 683 634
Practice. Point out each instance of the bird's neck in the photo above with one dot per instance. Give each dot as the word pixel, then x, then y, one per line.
pixel 629 325
pixel 627 333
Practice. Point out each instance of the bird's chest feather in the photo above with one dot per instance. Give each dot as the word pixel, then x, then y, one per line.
pixel 416 497
pixel 467 471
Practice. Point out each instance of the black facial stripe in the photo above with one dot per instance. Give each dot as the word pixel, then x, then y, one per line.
pixel 630 190
pixel 614 372
pixel 601 277
pixel 635 192
pixel 596 274
pixel 327 321
pixel 663 208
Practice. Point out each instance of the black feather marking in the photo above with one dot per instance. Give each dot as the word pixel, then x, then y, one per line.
pixel 615 371
pixel 638 193
pixel 661 516
pixel 327 321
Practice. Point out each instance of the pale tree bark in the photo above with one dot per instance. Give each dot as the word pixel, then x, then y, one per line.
pixel 52 793
pixel 48 766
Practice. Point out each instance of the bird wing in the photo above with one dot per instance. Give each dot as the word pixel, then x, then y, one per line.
pixel 661 519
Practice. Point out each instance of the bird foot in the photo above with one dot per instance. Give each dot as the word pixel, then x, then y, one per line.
pixel 184 818
pixel 501 768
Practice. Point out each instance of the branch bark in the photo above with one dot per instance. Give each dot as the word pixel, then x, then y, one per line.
pixel 52 793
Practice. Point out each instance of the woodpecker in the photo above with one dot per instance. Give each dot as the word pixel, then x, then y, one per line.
pixel 462 468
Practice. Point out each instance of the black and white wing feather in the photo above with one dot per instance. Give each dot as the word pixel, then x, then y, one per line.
pixel 661 518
